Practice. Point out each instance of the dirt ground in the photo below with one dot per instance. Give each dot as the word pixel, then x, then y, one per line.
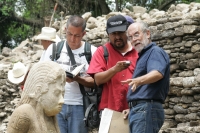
pixel 94 131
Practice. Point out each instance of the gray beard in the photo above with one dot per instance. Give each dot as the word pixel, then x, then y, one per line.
pixel 144 43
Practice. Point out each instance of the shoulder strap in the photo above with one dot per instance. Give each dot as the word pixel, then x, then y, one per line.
pixel 59 48
pixel 105 53
pixel 82 89
pixel 71 55
pixel 54 52
pixel 98 90
pixel 87 52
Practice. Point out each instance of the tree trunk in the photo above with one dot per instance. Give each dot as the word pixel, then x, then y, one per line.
pixel 104 6
pixel 166 4
pixel 37 23
pixel 63 8
pixel 120 5
pixel 116 7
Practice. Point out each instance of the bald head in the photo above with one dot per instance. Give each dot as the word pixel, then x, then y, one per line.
pixel 138 25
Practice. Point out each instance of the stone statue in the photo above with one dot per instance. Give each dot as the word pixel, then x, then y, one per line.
pixel 41 100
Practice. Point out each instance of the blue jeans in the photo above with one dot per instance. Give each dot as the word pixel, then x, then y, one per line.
pixel 70 119
pixel 146 117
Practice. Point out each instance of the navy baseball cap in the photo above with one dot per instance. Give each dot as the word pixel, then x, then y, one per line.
pixel 129 19
pixel 116 23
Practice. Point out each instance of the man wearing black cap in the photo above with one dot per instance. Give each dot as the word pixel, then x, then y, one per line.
pixel 110 73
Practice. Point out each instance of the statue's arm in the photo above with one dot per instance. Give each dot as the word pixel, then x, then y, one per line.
pixel 19 121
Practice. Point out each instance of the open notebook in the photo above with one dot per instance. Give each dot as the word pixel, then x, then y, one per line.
pixel 76 71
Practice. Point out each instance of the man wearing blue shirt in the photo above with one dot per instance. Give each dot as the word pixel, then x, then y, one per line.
pixel 150 83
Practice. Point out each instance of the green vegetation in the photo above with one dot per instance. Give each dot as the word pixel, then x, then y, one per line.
pixel 20 19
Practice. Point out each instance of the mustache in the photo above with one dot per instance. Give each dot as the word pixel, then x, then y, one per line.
pixel 118 40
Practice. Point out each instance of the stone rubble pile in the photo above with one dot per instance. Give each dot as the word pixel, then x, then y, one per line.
pixel 177 31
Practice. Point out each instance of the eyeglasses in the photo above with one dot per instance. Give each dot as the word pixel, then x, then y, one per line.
pixel 134 36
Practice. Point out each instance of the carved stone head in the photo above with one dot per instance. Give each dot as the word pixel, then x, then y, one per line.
pixel 45 86
pixel 41 100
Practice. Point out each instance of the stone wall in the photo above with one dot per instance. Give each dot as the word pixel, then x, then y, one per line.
pixel 177 31
pixel 179 37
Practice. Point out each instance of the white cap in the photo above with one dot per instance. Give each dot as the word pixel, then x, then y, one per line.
pixel 18 73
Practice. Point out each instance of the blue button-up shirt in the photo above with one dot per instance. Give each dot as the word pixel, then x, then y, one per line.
pixel 151 58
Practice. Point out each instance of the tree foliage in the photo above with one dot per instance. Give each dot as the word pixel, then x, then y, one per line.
pixel 33 13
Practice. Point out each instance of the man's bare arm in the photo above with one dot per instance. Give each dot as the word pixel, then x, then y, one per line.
pixel 105 76
pixel 148 78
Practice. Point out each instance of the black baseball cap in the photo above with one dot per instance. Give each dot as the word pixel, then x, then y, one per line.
pixel 116 23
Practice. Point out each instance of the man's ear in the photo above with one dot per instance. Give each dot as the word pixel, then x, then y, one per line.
pixel 148 34
pixel 84 32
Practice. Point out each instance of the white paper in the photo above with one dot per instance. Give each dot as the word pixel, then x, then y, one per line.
pixel 77 69
pixel 105 120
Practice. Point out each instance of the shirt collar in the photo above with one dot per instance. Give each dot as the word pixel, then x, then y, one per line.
pixel 147 47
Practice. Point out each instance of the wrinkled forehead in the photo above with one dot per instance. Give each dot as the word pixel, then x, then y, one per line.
pixel 133 28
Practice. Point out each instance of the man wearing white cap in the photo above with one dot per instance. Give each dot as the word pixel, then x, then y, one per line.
pixel 18 74
pixel 47 37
